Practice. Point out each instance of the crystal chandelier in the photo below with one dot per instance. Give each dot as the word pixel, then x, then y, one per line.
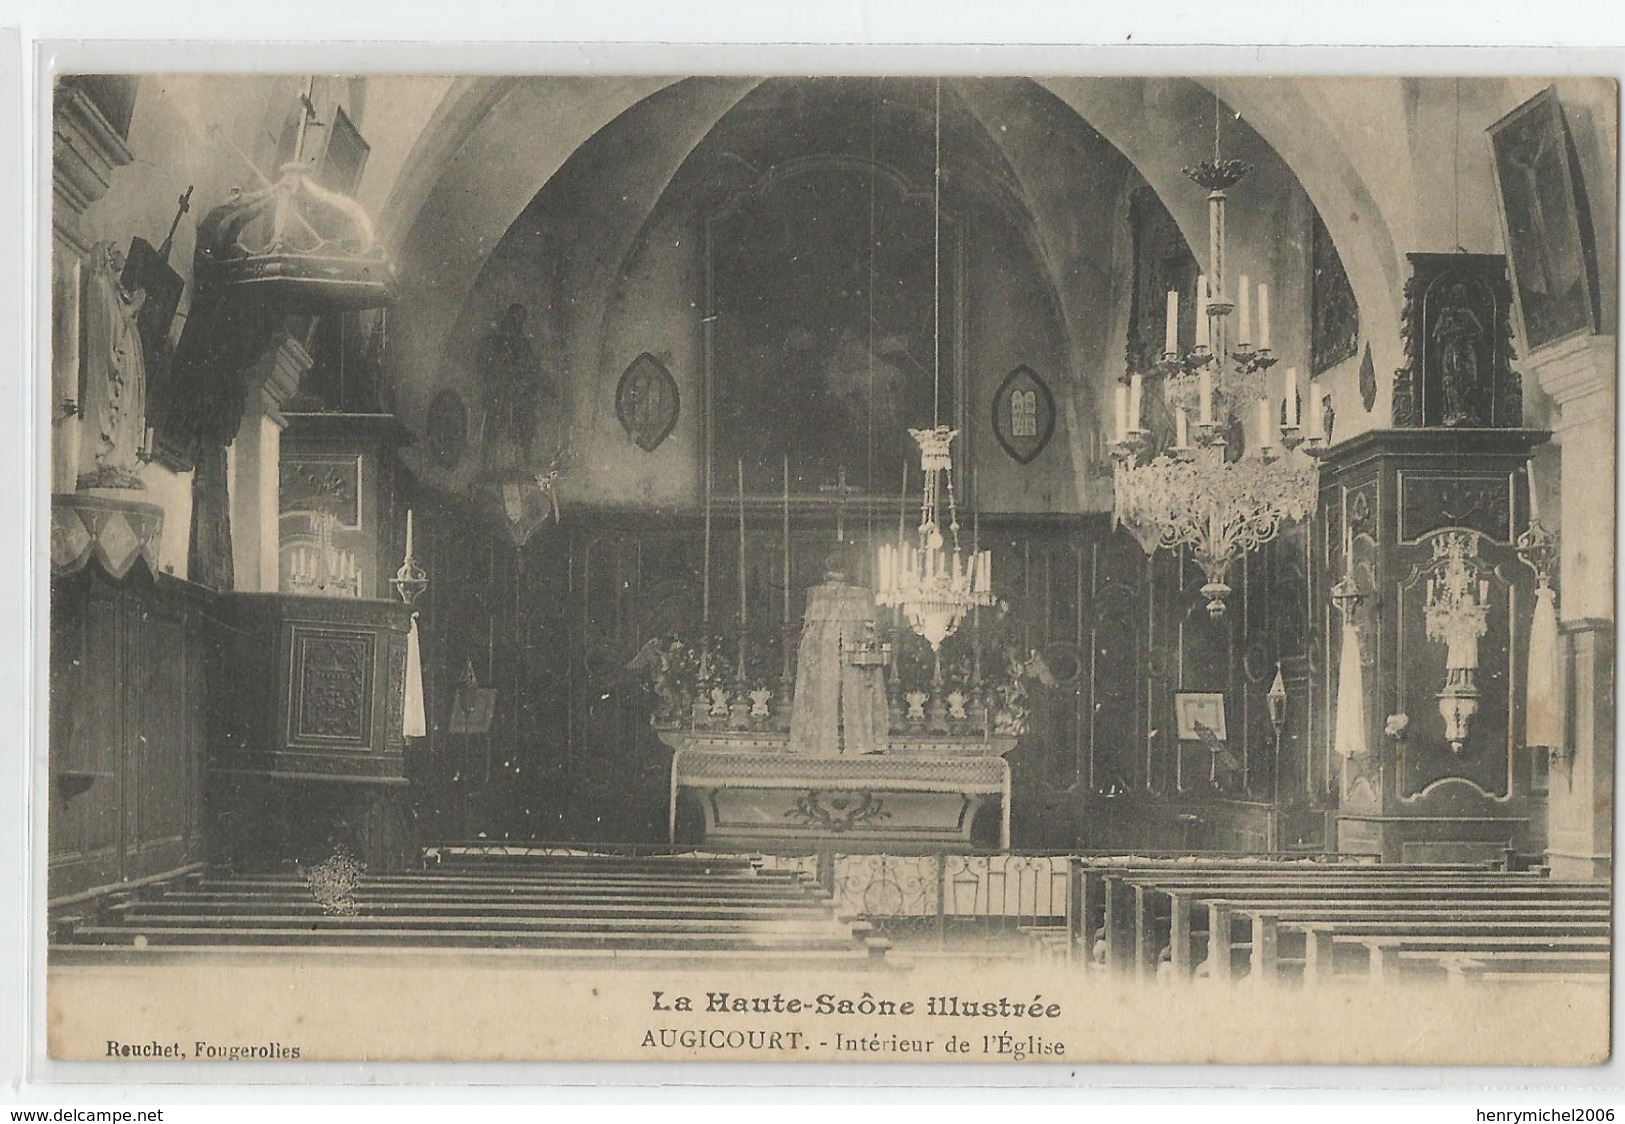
pixel 933 581
pixel 1229 491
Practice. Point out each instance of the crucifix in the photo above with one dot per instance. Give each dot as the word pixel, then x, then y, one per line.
pixel 841 490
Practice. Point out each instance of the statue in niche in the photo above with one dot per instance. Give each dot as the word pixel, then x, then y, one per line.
pixel 513 386
pixel 840 705
pixel 1457 331
pixel 114 396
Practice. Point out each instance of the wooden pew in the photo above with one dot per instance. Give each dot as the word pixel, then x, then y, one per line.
pixel 1134 940
pixel 1267 914
pixel 1092 885
pixel 1387 952
pixel 1318 928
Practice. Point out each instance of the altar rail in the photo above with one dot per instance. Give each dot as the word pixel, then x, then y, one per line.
pixel 930 898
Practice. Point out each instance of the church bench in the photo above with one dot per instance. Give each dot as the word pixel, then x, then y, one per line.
pixel 1133 927
pixel 1101 893
pixel 764 911
pixel 1316 929
pixel 1506 966
pixel 1094 884
pixel 1267 914
pixel 149 920
pixel 493 885
pixel 489 938
pixel 874 957
pixel 1387 953
pixel 537 894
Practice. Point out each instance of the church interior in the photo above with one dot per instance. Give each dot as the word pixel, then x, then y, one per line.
pixel 891 499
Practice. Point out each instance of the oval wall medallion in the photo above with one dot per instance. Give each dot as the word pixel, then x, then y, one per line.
pixel 1023 414
pixel 446 429
pixel 647 402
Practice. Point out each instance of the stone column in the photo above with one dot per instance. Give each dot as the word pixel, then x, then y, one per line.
pixel 255 488
pixel 1579 375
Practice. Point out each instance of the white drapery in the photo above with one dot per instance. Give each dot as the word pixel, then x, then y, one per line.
pixel 413 722
pixel 1349 734
pixel 1543 704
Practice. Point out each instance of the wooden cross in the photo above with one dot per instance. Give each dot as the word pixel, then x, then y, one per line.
pixel 840 490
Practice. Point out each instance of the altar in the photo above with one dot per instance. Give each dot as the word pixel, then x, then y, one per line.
pixel 919 794
pixel 840 748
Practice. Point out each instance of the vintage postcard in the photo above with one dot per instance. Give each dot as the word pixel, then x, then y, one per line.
pixel 1014 569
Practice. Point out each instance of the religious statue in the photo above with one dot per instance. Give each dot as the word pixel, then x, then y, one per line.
pixel 115 387
pixel 1457 331
pixel 512 382
pixel 840 702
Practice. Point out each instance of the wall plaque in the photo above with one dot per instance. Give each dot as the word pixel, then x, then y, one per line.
pixel 1023 415
pixel 647 402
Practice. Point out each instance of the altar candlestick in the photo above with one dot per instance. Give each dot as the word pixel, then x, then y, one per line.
pixel 1201 311
pixel 1170 332
pixel 1263 317
pixel 705 577
pixel 1244 320
pixel 1205 393
pixel 743 602
pixel 1134 403
pixel 409 532
pixel 787 540
pixel 1315 429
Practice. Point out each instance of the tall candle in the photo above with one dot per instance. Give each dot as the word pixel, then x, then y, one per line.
pixel 1205 393
pixel 1265 438
pixel 705 576
pixel 1315 429
pixel 1201 312
pixel 409 532
pixel 1122 412
pixel 1134 403
pixel 1170 331
pixel 743 601
pixel 1534 499
pixel 1263 317
pixel 1292 419
pixel 1182 430
pixel 1244 326
pixel 786 540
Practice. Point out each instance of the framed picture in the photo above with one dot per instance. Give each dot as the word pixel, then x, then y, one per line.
pixel 1550 244
pixel 1199 711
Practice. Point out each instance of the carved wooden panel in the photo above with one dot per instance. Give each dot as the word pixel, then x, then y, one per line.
pixel 1432 501
pixel 394 731
pixel 127 726
pixel 332 687
pixel 1427 760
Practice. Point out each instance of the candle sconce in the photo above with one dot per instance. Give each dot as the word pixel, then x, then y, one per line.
pixel 1457 611
pixel 409 581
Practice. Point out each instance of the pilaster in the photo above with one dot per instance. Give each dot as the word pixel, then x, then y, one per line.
pixel 1579 374
pixel 255 493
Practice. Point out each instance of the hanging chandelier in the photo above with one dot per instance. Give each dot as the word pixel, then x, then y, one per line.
pixel 933 581
pixel 1232 488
